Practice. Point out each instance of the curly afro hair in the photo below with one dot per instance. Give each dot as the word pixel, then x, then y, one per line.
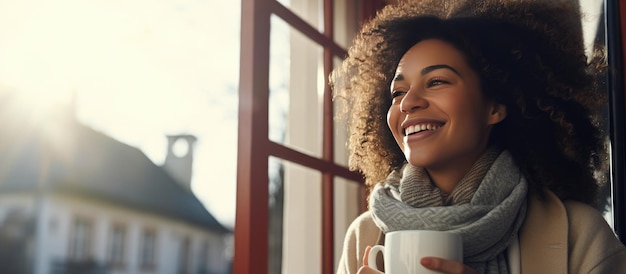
pixel 530 57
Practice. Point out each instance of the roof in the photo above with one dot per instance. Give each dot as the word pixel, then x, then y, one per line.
pixel 65 156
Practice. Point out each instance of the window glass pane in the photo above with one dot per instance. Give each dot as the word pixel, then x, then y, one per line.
pixel 308 10
pixel 122 111
pixel 80 240
pixel 347 200
pixel 148 249
pixel 340 127
pixel 346 19
pixel 203 258
pixel 302 214
pixel 184 260
pixel 15 223
pixel 116 246
pixel 296 89
pixel 276 173
pixel 298 218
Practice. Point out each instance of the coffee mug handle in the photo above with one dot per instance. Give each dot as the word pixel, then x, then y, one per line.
pixel 371 257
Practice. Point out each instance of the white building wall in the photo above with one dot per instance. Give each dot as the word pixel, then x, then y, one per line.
pixel 61 210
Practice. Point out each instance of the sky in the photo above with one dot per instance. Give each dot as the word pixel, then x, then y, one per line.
pixel 137 71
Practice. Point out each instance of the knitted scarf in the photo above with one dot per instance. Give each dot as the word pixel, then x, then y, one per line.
pixel 486 208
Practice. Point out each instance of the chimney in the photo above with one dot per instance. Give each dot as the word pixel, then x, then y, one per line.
pixel 179 159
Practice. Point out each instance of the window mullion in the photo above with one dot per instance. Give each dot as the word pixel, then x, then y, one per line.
pixel 252 212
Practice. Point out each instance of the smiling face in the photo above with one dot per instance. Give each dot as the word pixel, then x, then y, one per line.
pixel 439 116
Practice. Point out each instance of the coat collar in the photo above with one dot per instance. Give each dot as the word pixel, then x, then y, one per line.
pixel 543 236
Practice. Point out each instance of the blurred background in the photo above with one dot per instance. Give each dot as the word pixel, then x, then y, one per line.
pixel 119 128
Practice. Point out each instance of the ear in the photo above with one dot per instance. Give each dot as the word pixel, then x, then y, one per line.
pixel 497 113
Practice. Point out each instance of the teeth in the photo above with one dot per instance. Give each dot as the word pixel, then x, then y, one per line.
pixel 421 127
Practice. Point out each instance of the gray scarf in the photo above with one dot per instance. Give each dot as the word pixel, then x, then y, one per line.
pixel 487 213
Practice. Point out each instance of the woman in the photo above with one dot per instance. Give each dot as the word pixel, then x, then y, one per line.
pixel 482 111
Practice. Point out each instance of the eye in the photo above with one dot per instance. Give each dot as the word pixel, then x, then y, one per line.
pixel 396 93
pixel 396 96
pixel 436 82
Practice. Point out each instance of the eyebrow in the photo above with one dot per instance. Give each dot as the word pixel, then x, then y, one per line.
pixel 427 70
pixel 440 66
pixel 399 77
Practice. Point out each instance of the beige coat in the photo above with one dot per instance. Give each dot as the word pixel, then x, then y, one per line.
pixel 556 237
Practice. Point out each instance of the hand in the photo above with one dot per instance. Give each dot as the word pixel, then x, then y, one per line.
pixel 445 266
pixel 365 269
pixel 368 270
pixel 432 263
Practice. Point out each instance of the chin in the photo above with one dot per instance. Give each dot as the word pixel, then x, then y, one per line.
pixel 417 160
pixel 421 164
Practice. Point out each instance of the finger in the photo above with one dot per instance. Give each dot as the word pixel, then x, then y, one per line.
pixel 368 270
pixel 367 255
pixel 445 266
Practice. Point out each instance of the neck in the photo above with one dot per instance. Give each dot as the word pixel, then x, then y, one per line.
pixel 447 180
pixel 447 177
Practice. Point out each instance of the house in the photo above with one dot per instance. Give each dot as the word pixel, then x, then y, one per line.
pixel 73 200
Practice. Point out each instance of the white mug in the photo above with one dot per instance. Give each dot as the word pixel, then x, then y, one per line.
pixel 404 249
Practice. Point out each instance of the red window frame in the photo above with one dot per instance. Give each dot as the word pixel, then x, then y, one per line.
pixel 254 146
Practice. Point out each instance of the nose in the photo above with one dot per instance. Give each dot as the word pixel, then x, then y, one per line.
pixel 412 101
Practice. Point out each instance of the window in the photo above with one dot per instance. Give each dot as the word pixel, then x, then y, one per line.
pixel 116 246
pixel 148 249
pixel 307 169
pixel 80 240
pixel 203 258
pixel 184 256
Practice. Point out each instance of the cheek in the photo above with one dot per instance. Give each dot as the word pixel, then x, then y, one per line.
pixel 470 117
pixel 389 118
pixel 393 118
pixel 466 108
